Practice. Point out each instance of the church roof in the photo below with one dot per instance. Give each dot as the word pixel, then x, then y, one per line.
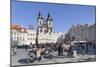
pixel 49 17
pixel 40 16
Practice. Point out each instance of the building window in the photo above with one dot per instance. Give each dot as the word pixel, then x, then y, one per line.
pixel 17 38
pixel 14 33
pixel 28 34
pixel 31 34
pixel 17 33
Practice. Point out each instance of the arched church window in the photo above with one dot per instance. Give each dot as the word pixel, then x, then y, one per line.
pixel 49 23
pixel 40 22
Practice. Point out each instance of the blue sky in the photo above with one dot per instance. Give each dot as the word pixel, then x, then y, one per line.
pixel 64 16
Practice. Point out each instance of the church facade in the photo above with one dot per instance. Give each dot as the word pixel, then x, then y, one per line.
pixel 44 26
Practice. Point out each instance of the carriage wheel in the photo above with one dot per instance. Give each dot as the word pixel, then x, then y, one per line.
pixel 31 57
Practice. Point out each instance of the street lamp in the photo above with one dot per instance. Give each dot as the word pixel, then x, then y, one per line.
pixel 37 38
pixel 78 34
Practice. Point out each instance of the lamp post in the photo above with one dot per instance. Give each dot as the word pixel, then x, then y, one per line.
pixel 36 41
pixel 78 34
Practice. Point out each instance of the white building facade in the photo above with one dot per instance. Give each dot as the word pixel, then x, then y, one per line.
pixel 18 34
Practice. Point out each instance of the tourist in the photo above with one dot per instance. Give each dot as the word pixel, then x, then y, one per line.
pixel 60 50
pixel 70 51
pixel 15 51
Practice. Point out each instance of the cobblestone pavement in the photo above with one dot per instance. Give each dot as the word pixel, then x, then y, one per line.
pixel 21 55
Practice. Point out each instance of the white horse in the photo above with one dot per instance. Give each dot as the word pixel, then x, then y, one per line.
pixel 66 46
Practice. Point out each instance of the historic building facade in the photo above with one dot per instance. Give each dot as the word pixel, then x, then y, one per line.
pixel 92 33
pixel 82 33
pixel 26 36
pixel 18 34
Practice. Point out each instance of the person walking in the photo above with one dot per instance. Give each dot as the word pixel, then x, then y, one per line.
pixel 60 50
pixel 15 51
pixel 70 51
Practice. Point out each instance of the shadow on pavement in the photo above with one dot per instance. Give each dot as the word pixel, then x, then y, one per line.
pixel 23 61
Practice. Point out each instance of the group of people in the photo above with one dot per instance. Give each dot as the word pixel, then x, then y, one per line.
pixel 41 51
pixel 65 48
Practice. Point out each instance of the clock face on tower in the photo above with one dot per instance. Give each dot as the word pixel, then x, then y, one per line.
pixel 40 22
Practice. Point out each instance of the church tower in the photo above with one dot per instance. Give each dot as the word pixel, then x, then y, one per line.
pixel 40 23
pixel 49 24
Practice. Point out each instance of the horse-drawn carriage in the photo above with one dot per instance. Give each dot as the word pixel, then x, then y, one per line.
pixel 39 54
pixel 46 53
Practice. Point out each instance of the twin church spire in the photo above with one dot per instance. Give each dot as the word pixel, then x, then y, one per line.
pixel 48 17
pixel 44 26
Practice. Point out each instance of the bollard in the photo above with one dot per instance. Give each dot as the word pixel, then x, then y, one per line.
pixel 74 53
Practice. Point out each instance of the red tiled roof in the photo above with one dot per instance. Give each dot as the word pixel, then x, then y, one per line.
pixel 18 28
